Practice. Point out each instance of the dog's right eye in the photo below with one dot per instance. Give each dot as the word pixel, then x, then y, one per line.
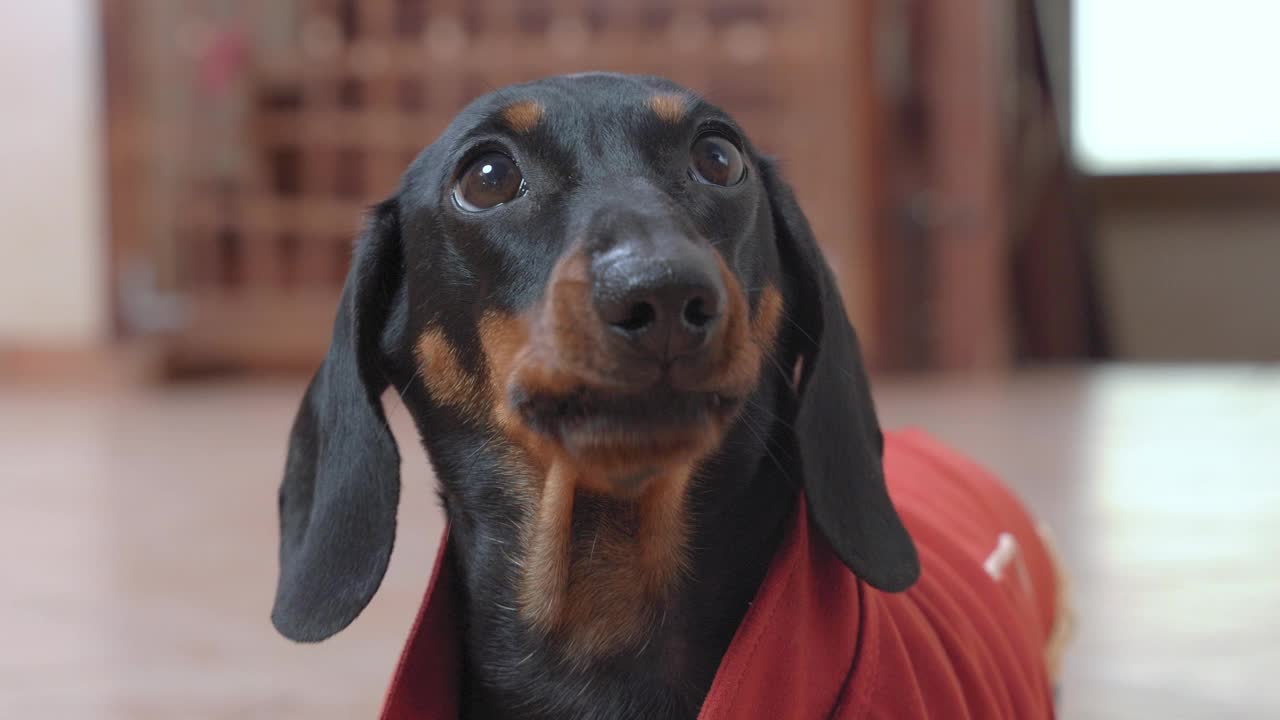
pixel 491 180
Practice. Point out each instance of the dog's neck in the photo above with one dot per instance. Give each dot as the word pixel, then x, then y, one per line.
pixel 736 507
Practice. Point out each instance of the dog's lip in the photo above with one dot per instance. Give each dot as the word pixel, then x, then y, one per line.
pixel 586 411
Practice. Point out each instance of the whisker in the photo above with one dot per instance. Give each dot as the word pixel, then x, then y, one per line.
pixel 786 316
pixel 756 431
pixel 771 355
pixel 645 646
pixel 401 392
pixel 772 415
pixel 585 686
pixel 765 445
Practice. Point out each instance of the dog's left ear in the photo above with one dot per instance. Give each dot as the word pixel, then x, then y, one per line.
pixel 341 484
pixel 836 430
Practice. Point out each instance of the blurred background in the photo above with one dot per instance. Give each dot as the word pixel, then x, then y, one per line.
pixel 1056 225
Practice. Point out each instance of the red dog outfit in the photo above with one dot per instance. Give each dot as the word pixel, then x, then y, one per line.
pixel 968 640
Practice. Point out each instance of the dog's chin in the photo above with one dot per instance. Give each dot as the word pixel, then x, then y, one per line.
pixel 621 442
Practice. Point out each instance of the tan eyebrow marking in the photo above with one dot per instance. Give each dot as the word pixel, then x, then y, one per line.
pixel 524 115
pixel 670 107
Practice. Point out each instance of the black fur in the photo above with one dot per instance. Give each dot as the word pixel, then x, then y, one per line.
pixel 422 262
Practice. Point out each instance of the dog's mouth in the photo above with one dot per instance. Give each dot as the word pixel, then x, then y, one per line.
pixel 626 437
pixel 588 412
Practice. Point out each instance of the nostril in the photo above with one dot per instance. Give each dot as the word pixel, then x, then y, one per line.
pixel 640 315
pixel 695 314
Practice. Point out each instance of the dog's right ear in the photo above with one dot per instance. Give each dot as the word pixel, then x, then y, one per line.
pixel 341 483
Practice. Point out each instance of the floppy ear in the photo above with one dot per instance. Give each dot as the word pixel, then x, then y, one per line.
pixel 341 483
pixel 836 430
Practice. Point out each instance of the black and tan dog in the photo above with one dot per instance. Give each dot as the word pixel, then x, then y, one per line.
pixel 626 358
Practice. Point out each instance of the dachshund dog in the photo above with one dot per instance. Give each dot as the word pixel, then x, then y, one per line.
pixel 634 377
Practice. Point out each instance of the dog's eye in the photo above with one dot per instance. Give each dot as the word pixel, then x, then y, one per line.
pixel 488 182
pixel 716 161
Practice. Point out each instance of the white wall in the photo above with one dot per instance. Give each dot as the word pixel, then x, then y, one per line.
pixel 1166 86
pixel 52 212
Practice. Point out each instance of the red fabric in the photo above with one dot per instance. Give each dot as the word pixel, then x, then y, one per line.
pixel 967 641
pixel 425 685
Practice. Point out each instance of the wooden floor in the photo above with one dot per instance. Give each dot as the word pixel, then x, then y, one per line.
pixel 138 534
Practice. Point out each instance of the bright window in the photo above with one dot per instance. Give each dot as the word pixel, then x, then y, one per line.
pixel 1165 86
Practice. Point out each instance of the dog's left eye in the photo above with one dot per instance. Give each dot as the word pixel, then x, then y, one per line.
pixel 714 160
pixel 491 180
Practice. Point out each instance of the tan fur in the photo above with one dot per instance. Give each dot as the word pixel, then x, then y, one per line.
pixel 502 338
pixel 505 339
pixel 600 593
pixel 747 340
pixel 669 107
pixel 545 579
pixel 523 116
pixel 664 532
pixel 764 326
pixel 447 382
pixel 1064 619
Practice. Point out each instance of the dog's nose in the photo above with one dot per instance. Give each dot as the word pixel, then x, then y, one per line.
pixel 663 296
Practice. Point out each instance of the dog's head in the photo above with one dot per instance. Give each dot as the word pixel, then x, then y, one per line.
pixel 577 289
